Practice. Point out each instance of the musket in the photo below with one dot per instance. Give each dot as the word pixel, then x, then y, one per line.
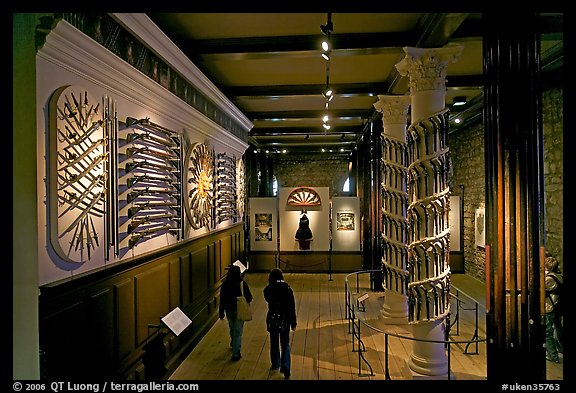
pixel 418 303
pixel 130 166
pixel 130 121
pixel 425 291
pixel 149 178
pixel 136 222
pixel 148 151
pixel 147 191
pixel 137 236
pixel 150 205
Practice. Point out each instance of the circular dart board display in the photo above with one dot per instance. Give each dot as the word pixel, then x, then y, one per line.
pixel 199 186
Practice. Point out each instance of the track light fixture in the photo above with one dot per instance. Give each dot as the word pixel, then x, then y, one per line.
pixel 328 27
pixel 328 93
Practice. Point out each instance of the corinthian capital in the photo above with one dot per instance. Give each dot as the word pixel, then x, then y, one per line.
pixel 394 109
pixel 427 67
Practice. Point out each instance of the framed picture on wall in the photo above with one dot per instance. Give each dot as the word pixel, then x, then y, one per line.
pixel 344 221
pixel 263 227
pixel 480 227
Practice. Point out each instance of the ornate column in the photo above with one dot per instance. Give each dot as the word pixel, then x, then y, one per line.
pixel 428 198
pixel 394 197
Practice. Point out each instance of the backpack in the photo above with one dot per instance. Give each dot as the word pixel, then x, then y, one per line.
pixel 555 296
pixel 275 321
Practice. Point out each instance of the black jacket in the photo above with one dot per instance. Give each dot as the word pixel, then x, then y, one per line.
pixel 228 294
pixel 280 296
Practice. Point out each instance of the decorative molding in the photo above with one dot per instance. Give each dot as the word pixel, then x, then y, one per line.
pixel 143 28
pixel 394 109
pixel 69 48
pixel 427 67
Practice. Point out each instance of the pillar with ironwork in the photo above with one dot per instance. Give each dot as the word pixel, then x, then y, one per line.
pixel 394 197
pixel 428 206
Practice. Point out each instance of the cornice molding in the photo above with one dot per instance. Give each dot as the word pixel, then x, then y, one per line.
pixel 72 50
pixel 143 28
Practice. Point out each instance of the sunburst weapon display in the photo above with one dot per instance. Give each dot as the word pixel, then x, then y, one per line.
pixel 77 182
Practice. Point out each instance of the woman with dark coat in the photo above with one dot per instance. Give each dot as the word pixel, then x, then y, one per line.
pixel 280 298
pixel 229 291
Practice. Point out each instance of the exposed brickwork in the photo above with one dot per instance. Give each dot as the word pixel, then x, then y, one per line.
pixel 313 171
pixel 553 125
pixel 467 152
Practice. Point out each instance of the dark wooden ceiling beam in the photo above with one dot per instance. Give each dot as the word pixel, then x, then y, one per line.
pixel 308 114
pixel 297 43
pixel 319 130
pixel 236 92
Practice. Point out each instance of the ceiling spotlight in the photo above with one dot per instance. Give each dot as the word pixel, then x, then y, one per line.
pixel 325 118
pixel 457 120
pixel 325 45
pixel 328 27
pixel 284 151
pixel 458 101
pixel 326 126
pixel 325 56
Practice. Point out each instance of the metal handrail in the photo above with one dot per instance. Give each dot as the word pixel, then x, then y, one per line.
pixel 351 316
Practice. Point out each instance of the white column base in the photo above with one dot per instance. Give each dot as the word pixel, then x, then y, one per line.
pixel 413 375
pixel 428 358
pixel 395 308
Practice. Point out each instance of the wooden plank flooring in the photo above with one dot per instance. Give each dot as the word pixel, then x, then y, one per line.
pixel 322 346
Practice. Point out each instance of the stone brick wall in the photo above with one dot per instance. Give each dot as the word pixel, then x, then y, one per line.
pixel 467 153
pixel 313 171
pixel 553 125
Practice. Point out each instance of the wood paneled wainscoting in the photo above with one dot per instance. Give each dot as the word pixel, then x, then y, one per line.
pixel 106 324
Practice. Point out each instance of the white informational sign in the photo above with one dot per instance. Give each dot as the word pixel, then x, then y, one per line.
pixel 177 321
pixel 363 297
pixel 240 265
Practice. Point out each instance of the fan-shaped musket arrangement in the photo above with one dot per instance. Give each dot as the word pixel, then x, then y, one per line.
pixel 304 196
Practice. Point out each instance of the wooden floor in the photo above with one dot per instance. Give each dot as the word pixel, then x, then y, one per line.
pixel 322 345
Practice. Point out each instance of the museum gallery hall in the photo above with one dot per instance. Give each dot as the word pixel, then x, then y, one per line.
pixel 404 170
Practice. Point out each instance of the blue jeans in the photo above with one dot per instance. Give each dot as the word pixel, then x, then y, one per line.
pixel 236 327
pixel 554 333
pixel 280 350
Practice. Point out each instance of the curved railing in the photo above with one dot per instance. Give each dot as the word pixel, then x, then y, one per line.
pixel 355 322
